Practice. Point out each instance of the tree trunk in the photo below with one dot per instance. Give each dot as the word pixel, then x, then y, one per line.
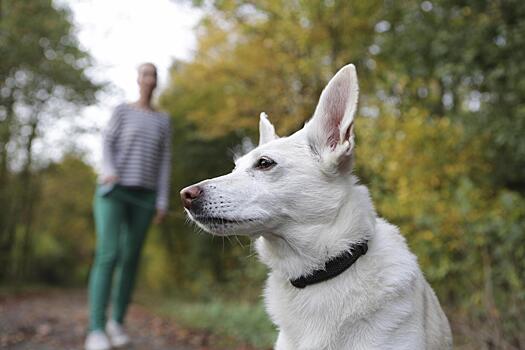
pixel 28 202
pixel 493 314
pixel 6 219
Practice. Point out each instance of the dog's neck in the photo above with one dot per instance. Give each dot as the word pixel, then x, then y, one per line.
pixel 303 248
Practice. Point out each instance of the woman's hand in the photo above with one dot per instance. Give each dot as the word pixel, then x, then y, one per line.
pixel 111 179
pixel 159 217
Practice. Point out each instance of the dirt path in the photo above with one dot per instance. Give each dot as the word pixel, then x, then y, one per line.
pixel 56 320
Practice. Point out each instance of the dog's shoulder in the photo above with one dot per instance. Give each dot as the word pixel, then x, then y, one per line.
pixel 390 237
pixel 391 259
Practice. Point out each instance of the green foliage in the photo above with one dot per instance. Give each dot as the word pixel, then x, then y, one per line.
pixel 272 56
pixel 463 59
pixel 247 323
pixel 64 237
pixel 41 58
pixel 428 180
pixel 61 248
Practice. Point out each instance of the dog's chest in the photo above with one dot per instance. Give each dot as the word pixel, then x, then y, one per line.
pixel 360 309
pixel 317 317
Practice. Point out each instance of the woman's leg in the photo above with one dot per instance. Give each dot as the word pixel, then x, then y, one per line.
pixel 138 220
pixel 109 217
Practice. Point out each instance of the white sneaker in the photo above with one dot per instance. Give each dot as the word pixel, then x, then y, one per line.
pixel 97 340
pixel 117 336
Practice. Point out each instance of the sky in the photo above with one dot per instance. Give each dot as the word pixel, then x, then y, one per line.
pixel 121 34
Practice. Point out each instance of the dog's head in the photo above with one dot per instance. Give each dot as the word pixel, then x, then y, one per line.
pixel 295 180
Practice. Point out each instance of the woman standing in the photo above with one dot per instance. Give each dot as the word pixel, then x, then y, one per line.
pixel 133 191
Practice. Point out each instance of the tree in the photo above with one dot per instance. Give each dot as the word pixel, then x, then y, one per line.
pixel 463 59
pixel 272 56
pixel 43 75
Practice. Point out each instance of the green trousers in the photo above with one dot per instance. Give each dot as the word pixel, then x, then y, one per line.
pixel 122 218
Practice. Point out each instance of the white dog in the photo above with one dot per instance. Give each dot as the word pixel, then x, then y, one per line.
pixel 341 278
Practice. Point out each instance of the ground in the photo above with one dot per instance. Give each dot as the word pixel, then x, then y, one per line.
pixel 56 320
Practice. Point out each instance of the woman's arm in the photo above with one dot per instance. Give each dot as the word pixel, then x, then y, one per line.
pixel 109 170
pixel 163 186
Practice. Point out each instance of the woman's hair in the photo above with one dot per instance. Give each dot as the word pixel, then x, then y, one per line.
pixel 147 64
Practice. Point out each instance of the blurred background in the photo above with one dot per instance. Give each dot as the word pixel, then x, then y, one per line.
pixel 440 143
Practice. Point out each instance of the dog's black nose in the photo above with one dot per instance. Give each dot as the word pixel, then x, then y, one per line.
pixel 189 194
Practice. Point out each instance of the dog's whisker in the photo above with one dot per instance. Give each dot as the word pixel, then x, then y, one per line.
pixel 238 241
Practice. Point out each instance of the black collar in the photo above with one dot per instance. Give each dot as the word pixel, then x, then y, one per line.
pixel 333 267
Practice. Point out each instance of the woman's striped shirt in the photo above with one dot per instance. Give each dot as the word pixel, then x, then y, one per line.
pixel 137 149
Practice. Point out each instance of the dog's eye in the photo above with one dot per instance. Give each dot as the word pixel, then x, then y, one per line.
pixel 264 163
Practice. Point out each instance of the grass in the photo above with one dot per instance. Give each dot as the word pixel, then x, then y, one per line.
pixel 241 322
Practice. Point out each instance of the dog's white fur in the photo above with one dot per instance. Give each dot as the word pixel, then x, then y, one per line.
pixel 308 208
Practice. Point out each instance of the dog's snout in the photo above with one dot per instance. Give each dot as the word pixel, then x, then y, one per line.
pixel 189 194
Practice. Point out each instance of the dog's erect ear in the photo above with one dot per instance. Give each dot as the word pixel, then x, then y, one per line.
pixel 330 132
pixel 266 130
